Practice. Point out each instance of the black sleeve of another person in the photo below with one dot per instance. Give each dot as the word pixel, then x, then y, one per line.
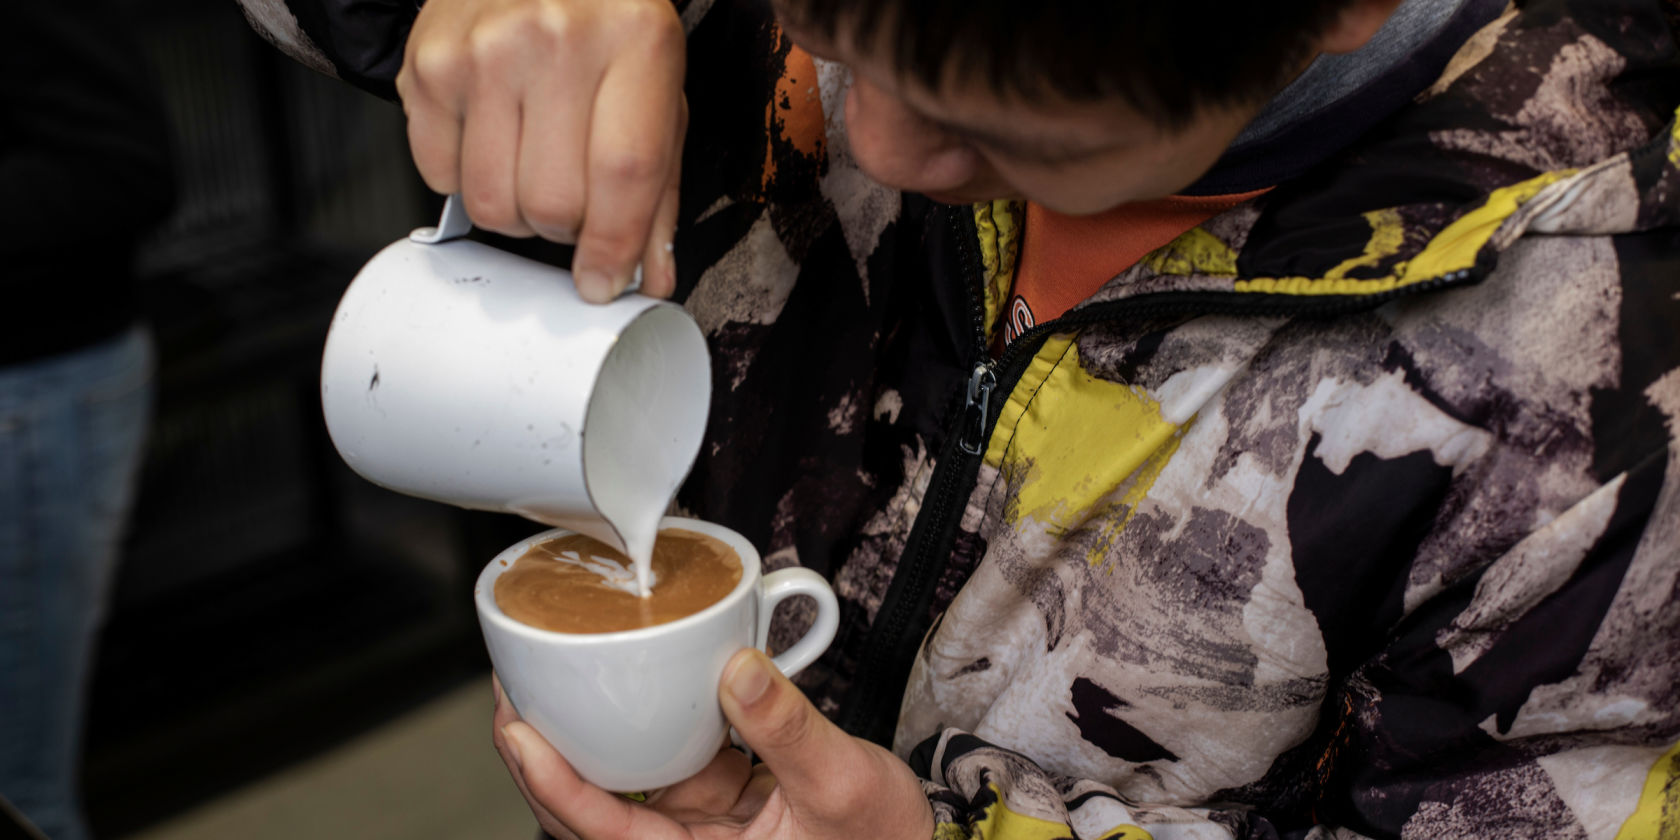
pixel 363 39
pixel 84 170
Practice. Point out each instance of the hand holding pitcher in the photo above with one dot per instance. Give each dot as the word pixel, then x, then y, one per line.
pixel 559 118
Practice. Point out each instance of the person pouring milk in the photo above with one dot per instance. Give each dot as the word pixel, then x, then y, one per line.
pixel 1216 419
pixel 465 374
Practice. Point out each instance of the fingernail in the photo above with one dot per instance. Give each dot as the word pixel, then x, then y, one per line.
pixel 513 745
pixel 749 679
pixel 501 698
pixel 594 285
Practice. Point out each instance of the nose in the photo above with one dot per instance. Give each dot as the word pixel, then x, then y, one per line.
pixel 898 147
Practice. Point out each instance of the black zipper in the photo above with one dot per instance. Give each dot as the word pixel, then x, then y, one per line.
pixel 884 665
pixel 913 581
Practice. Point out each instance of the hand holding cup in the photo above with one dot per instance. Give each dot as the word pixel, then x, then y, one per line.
pixel 637 709
pixel 815 782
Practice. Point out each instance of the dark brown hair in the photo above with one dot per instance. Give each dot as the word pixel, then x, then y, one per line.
pixel 1168 58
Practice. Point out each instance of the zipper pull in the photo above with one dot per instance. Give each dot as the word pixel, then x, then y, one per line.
pixel 977 411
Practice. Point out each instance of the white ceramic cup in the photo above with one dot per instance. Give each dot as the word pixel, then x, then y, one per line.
pixel 461 373
pixel 637 709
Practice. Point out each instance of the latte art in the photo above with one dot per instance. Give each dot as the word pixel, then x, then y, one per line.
pixel 613 572
pixel 574 584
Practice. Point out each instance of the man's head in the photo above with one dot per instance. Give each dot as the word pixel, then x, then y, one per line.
pixel 1080 105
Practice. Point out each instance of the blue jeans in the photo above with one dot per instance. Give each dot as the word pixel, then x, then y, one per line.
pixel 72 429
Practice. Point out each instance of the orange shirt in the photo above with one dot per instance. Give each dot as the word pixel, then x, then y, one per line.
pixel 1066 259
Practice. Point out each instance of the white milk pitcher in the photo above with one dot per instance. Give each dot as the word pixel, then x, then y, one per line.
pixel 458 372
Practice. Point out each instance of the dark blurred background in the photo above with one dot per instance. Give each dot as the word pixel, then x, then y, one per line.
pixel 269 604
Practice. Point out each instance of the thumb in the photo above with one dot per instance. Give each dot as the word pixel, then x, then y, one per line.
pixel 780 724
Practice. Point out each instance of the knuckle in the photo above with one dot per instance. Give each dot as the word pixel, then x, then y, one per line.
pixel 436 63
pixel 405 83
pixel 552 212
pixel 663 29
pixel 790 728
pixel 615 248
pixel 559 24
pixel 439 174
pixel 485 45
pixel 498 43
pixel 630 166
pixel 651 18
pixel 490 209
pixel 628 18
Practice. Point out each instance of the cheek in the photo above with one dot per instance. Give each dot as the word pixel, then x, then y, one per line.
pixel 867 134
pixel 878 130
pixel 893 146
pixel 856 126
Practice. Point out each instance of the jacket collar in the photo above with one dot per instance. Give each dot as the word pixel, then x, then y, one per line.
pixel 1530 127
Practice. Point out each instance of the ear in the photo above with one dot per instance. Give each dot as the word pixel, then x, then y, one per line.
pixel 1355 25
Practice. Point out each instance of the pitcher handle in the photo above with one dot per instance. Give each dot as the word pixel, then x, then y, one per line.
pixel 454 223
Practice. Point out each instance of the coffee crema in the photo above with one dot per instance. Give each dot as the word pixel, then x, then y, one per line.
pixel 692 572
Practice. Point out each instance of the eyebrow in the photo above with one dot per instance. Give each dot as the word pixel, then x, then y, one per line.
pixel 1037 149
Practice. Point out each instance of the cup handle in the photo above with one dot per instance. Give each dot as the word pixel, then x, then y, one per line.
pixel 786 583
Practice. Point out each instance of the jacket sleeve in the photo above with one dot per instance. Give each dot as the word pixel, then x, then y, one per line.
pixel 1541 698
pixel 359 41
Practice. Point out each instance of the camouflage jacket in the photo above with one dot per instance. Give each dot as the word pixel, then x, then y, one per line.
pixel 1354 511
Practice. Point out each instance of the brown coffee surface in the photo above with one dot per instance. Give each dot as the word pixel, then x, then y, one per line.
pixel 692 571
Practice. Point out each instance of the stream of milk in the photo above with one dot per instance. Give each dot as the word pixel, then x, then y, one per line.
pixel 643 429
